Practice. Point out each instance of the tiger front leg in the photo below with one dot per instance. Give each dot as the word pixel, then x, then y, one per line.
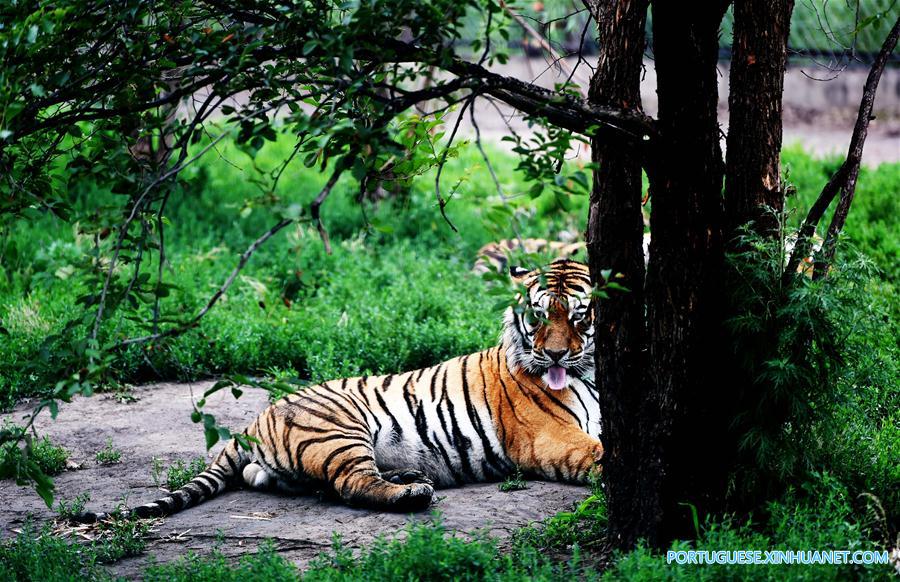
pixel 357 480
pixel 568 454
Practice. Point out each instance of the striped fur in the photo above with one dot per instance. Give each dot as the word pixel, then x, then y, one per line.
pixel 387 441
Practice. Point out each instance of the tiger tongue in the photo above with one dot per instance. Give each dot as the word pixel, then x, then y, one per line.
pixel 556 377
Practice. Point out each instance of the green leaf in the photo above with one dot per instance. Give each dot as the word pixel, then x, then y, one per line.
pixel 309 46
pixel 218 386
pixel 212 437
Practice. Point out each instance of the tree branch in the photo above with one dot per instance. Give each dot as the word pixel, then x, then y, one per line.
pixel 844 180
pixel 245 256
pixel 565 111
pixel 320 199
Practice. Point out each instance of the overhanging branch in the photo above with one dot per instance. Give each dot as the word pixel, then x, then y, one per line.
pixel 563 110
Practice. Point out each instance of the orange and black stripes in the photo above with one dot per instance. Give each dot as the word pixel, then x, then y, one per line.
pixel 386 441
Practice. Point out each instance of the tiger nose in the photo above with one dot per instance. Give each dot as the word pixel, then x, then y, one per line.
pixel 556 355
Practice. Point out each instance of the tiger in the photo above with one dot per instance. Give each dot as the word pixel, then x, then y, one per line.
pixel 386 442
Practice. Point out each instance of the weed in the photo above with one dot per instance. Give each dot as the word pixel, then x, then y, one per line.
pixel 50 457
pixel 124 394
pixel 108 455
pixel 177 474
pixel 67 509
pixel 36 555
pixel 121 538
pixel 584 525
pixel 514 482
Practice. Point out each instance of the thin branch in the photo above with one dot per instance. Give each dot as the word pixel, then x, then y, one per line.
pixel 320 199
pixel 844 180
pixel 487 37
pixel 160 226
pixel 543 44
pixel 442 203
pixel 503 197
pixel 854 157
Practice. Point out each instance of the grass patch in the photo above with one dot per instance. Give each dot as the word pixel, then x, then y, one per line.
pixel 66 509
pixel 422 552
pixel 515 482
pixel 120 538
pixel 40 556
pixel 177 474
pixel 35 555
pixel 820 516
pixel 108 455
pixel 51 458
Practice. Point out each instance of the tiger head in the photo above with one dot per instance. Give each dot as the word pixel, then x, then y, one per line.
pixel 551 333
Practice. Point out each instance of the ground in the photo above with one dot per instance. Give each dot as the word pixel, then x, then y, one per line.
pixel 158 424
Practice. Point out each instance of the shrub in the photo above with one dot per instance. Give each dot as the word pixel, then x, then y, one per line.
pixel 818 362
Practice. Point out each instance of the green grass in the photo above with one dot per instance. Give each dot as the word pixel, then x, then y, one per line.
pixel 821 517
pixel 36 554
pixel 424 552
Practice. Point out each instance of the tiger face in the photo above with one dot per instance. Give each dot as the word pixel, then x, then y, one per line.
pixel 551 334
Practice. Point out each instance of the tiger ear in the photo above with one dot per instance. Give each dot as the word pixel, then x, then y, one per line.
pixel 518 273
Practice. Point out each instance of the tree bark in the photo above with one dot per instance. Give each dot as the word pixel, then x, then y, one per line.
pixel 759 54
pixel 615 242
pixel 754 197
pixel 684 277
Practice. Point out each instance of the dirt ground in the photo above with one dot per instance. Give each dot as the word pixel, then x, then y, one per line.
pixel 158 424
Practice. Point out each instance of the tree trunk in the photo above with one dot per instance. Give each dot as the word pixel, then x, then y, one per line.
pixel 684 278
pixel 615 242
pixel 753 184
pixel 754 196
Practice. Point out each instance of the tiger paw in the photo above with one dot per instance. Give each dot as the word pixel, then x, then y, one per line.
pixel 415 497
pixel 406 477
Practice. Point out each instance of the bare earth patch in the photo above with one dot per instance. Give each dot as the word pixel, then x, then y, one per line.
pixel 159 425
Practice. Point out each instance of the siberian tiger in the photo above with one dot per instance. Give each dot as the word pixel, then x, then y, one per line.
pixel 387 441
